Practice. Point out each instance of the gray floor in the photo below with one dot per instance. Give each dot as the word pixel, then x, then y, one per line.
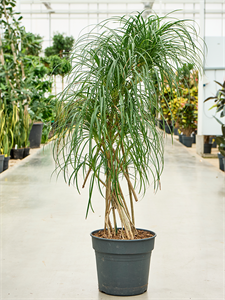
pixel 46 246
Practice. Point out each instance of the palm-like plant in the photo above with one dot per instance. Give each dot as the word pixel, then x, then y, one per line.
pixel 106 125
pixel 219 100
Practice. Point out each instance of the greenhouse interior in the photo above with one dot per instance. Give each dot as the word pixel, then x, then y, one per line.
pixel 112 149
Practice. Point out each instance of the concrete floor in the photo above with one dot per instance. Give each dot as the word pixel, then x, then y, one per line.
pixel 46 248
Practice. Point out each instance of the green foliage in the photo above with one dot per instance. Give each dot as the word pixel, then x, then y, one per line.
pixel 13 86
pixel 14 128
pixel 45 132
pixel 106 121
pixel 182 98
pixel 23 77
pixel 31 44
pixel 62 46
pixel 26 42
pixel 55 64
pixel 188 111
pixel 50 51
pixel 65 67
pixel 185 75
pixel 219 100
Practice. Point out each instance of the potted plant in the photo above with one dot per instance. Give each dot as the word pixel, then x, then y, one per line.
pixel 58 55
pixel 21 71
pixel 19 134
pixel 106 131
pixel 6 134
pixel 27 125
pixel 170 106
pixel 2 125
pixel 219 104
pixel 207 144
pixel 188 111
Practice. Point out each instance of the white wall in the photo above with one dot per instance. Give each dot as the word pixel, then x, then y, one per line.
pixel 215 61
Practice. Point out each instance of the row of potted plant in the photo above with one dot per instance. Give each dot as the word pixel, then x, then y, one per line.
pixel 14 133
pixel 179 102
pixel 26 82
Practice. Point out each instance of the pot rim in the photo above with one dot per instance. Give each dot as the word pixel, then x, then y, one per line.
pixel 117 240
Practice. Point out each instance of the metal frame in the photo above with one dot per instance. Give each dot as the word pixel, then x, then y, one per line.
pixel 201 10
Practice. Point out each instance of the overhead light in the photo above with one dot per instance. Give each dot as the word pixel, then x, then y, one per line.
pixel 48 6
pixel 147 8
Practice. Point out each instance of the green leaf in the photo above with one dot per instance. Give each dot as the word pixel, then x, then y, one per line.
pixel 106 114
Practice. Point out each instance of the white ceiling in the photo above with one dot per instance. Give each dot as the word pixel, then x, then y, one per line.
pixel 121 1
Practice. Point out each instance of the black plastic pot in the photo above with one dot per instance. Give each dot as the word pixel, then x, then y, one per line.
pixel 187 141
pixel 6 163
pixel 213 141
pixel 176 131
pixel 18 153
pixel 193 138
pixel 207 147
pixel 1 163
pixel 26 152
pixel 221 161
pixel 160 124
pixel 35 135
pixel 168 128
pixel 123 265
pixel 181 138
pixel 11 153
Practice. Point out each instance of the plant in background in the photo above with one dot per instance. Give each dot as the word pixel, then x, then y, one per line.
pixel 58 55
pixel 187 115
pixel 219 104
pixel 7 122
pixel 42 103
pixel 28 43
pixel 31 43
pixel 24 81
pixel 169 103
pixel 62 46
pixel 27 125
pixel 2 126
pixel 19 131
pixel 106 129
pixel 13 87
pixel 64 69
pixel 58 66
pixel 182 97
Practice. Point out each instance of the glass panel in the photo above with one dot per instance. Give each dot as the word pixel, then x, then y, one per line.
pixel 213 27
pixel 59 25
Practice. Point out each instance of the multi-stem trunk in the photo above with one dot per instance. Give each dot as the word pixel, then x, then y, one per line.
pixel 115 202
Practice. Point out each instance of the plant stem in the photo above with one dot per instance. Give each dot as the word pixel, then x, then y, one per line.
pixel 12 45
pixel 107 202
pixel 130 192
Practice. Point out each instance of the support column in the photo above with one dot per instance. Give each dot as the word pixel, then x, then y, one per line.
pixel 200 136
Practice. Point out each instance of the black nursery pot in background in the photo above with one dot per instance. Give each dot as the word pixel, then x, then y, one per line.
pixel 187 141
pixel 221 161
pixel 169 128
pixel 6 163
pixel 213 141
pixel 26 152
pixel 35 135
pixel 1 163
pixel 160 124
pixel 18 153
pixel 207 147
pixel 123 265
pixel 181 138
pixel 176 131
